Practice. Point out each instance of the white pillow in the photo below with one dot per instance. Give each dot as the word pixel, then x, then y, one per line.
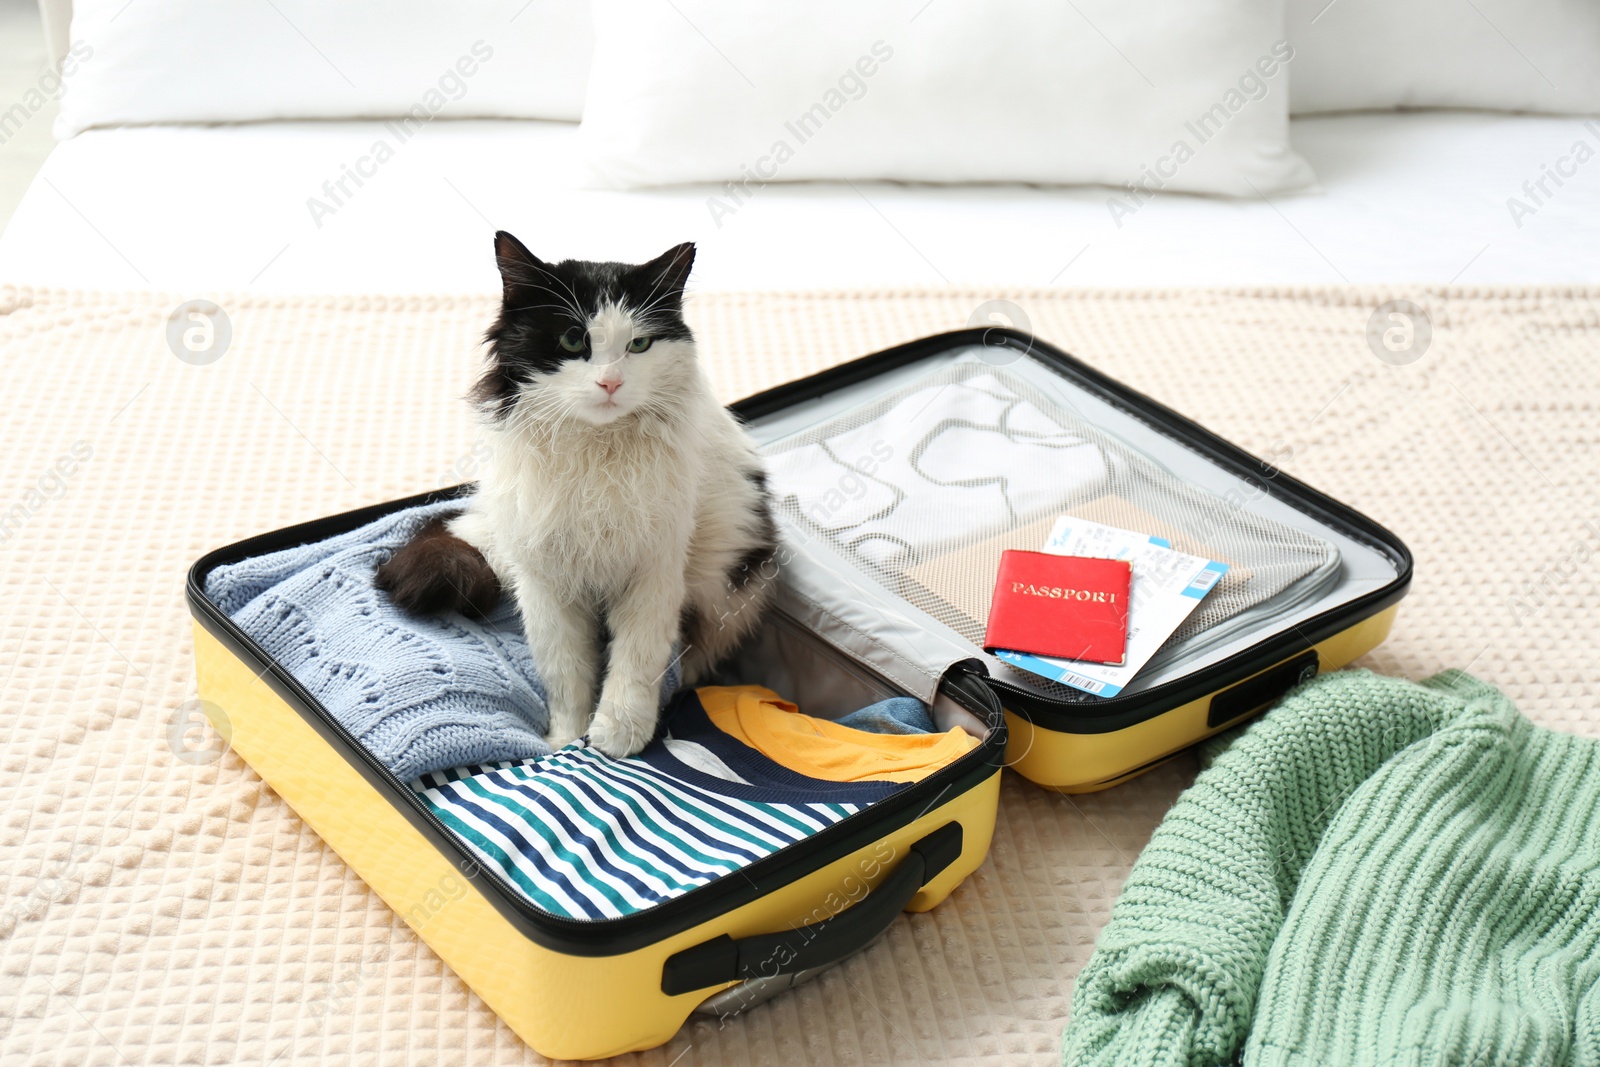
pixel 168 61
pixel 1506 55
pixel 1044 91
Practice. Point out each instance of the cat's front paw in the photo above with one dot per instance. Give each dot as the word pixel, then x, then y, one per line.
pixel 623 729
pixel 568 721
pixel 560 738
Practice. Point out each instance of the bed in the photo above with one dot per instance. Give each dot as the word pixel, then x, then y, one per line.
pixel 163 906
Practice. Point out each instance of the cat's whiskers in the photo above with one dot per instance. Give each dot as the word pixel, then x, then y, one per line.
pixel 542 409
pixel 543 307
pixel 644 317
pixel 571 296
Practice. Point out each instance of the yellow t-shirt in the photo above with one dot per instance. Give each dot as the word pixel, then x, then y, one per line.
pixel 818 748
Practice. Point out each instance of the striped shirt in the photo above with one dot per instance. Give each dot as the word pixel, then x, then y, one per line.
pixel 586 836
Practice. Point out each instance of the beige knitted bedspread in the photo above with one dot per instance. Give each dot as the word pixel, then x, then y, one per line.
pixel 162 906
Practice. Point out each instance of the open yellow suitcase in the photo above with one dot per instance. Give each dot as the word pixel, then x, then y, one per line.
pixel 882 594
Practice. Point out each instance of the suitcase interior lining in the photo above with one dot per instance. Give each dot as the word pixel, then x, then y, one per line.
pixel 825 682
pixel 933 595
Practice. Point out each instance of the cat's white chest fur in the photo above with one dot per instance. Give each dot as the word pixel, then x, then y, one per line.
pixel 589 509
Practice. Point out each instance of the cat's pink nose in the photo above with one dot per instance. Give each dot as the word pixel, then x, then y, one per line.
pixel 610 387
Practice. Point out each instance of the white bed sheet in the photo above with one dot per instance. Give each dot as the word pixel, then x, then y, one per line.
pixel 1407 197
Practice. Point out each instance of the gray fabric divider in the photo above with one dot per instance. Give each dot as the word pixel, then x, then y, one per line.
pixel 863 620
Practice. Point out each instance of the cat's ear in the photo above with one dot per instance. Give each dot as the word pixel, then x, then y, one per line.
pixel 669 272
pixel 518 266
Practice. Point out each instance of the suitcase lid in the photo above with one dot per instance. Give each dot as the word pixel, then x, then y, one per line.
pixel 899 477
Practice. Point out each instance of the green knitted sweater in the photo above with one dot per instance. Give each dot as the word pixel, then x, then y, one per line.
pixel 1376 873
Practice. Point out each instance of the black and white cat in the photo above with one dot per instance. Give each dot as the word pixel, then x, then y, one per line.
pixel 617 492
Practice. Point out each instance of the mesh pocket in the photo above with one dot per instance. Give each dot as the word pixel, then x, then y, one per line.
pixel 924 488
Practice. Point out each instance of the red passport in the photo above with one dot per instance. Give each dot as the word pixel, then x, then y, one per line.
pixel 1069 607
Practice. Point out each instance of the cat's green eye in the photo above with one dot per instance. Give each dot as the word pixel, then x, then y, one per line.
pixel 639 344
pixel 574 340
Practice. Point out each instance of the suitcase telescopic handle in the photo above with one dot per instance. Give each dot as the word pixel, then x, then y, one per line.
pixel 725 959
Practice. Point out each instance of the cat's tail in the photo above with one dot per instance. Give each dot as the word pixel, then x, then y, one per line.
pixel 437 571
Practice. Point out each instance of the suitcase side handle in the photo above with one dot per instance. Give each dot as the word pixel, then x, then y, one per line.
pixel 724 959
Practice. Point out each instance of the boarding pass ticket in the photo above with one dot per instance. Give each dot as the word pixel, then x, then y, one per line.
pixel 1167 586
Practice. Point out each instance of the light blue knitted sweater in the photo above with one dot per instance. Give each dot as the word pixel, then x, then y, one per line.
pixel 421 694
